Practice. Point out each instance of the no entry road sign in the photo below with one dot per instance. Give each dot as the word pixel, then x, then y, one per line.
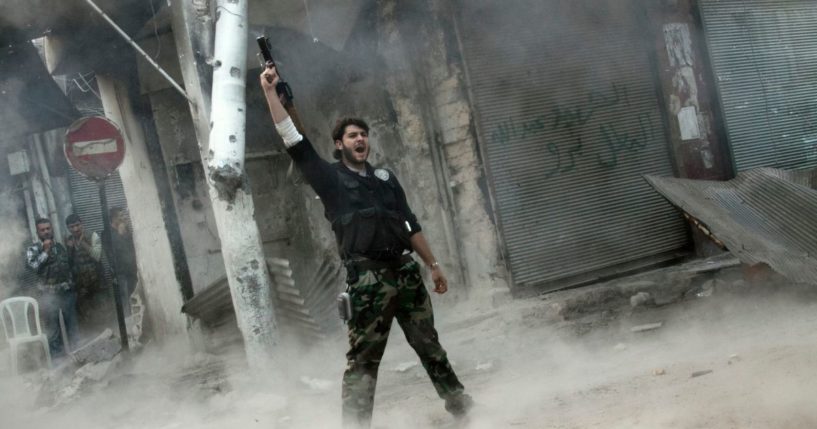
pixel 94 147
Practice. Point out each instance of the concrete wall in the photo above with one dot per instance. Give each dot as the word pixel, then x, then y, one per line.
pixel 426 85
pixel 199 234
pixel 153 252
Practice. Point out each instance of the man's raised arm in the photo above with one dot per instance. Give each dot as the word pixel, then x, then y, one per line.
pixel 283 123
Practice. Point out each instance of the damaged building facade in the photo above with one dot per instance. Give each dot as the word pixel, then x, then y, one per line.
pixel 521 131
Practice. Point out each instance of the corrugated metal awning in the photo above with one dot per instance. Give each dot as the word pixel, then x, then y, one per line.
pixel 31 100
pixel 763 215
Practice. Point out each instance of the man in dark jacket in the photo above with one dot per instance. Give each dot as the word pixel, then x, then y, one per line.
pixel 55 289
pixel 376 231
pixel 123 254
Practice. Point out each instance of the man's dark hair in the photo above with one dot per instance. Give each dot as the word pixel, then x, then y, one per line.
pixel 42 220
pixel 72 219
pixel 340 130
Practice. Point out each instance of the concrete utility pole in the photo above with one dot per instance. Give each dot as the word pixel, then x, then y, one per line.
pixel 221 143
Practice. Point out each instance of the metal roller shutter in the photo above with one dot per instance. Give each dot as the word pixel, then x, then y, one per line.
pixel 85 197
pixel 764 55
pixel 569 121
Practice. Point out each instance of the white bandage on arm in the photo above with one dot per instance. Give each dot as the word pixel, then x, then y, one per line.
pixel 288 132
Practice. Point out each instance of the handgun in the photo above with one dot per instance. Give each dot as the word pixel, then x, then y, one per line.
pixel 282 88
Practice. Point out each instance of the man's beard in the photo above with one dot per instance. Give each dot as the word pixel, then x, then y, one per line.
pixel 349 155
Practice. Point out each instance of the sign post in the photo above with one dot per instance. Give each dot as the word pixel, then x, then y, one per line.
pixel 95 148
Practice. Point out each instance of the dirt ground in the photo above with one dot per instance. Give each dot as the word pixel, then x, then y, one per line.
pixel 740 357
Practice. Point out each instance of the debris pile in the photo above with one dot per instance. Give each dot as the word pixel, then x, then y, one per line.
pixel 89 365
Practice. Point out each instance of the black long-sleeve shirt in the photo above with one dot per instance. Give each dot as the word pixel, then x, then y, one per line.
pixel 325 180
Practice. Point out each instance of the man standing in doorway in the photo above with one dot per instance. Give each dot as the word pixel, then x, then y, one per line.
pixel 56 293
pixel 376 231
pixel 124 255
pixel 85 251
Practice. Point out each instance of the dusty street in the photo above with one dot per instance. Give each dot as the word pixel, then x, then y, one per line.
pixel 738 358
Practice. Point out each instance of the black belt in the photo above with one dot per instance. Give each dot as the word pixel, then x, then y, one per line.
pixel 363 264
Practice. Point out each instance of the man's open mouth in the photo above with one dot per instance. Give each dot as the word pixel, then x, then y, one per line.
pixel 360 149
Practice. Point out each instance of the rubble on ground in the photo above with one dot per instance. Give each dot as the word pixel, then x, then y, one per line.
pixel 647 327
pixel 92 364
pixel 641 298
pixel 103 347
pixel 700 373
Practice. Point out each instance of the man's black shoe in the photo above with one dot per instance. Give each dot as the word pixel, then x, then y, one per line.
pixel 459 405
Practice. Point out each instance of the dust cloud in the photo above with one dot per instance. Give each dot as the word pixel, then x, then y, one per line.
pixel 753 350
pixel 15 238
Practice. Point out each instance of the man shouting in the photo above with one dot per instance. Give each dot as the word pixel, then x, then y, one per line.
pixel 376 232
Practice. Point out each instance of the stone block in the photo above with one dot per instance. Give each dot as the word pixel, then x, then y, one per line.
pixel 96 371
pixel 639 299
pixel 102 348
pixel 647 327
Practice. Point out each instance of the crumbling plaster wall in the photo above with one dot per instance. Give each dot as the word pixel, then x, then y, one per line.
pixel 179 149
pixel 177 139
pixel 425 75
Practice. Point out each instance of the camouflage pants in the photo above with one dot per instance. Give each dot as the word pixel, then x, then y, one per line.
pixel 378 297
pixel 88 289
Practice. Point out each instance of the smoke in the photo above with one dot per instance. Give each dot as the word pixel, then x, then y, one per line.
pixel 15 236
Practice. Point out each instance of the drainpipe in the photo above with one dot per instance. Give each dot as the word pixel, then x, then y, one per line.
pixel 53 213
pixel 53 141
pixel 30 210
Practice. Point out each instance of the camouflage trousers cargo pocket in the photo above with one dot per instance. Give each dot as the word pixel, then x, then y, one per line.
pixel 377 298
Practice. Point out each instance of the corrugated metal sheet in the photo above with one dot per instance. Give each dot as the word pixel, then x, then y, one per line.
pixel 569 120
pixel 765 60
pixel 85 196
pixel 306 310
pixel 763 215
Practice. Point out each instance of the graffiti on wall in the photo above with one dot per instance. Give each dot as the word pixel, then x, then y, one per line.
pixel 591 117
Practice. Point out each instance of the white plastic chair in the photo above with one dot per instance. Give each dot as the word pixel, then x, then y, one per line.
pixel 16 310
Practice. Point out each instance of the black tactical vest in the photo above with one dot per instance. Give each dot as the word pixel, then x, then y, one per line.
pixel 367 222
pixel 57 268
